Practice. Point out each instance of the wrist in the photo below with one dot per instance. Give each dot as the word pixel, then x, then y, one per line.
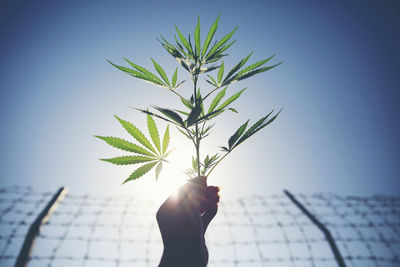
pixel 184 255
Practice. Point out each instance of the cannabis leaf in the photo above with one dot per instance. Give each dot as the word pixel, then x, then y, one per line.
pixel 147 154
pixel 210 35
pixel 139 172
pixel 127 160
pixel 209 162
pixel 146 75
pixel 125 145
pixel 151 125
pixel 240 135
pixel 234 75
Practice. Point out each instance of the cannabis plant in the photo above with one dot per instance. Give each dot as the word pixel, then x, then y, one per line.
pixel 194 120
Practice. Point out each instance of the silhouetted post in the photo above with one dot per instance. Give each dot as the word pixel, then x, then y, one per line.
pixel 322 227
pixel 34 229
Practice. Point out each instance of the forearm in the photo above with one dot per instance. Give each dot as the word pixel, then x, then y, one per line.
pixel 176 255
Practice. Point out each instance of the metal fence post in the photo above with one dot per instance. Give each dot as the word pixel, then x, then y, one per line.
pixel 322 227
pixel 34 229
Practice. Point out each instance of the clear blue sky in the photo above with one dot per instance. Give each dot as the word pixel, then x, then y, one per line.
pixel 339 86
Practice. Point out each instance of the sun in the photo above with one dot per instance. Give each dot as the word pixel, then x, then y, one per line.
pixel 171 178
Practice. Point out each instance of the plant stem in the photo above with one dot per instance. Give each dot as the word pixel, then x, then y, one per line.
pixel 221 160
pixel 197 142
pixel 202 129
pixel 191 137
pixel 216 164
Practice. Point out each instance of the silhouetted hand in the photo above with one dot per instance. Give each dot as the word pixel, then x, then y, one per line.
pixel 183 220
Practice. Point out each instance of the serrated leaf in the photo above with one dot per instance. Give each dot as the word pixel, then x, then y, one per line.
pixel 265 124
pixel 144 71
pixel 212 79
pixel 256 127
pixel 215 59
pixel 256 71
pixel 210 115
pixel 221 43
pixel 184 42
pixel 207 69
pixel 185 64
pixel 175 52
pixel 206 160
pixel 217 99
pixel 172 50
pixel 254 66
pixel 237 134
pixel 161 72
pixel 233 110
pixel 221 72
pixel 257 124
pixel 194 114
pixel 209 37
pixel 213 84
pixel 197 38
pixel 181 49
pixel 172 115
pixel 175 77
pixel 165 140
pixel 151 125
pixel 218 54
pixel 125 145
pixel 231 99
pixel 137 134
pixel 195 164
pixel 139 172
pixel 191 47
pixel 209 162
pixel 128 160
pixel 237 67
pixel 138 75
pixel 155 115
pixel 158 169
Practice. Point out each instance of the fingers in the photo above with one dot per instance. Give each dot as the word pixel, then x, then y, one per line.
pixel 212 195
pixel 211 205
pixel 192 190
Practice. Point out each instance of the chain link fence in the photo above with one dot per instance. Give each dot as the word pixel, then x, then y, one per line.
pixel 253 231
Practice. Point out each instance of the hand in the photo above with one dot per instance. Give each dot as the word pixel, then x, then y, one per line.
pixel 183 220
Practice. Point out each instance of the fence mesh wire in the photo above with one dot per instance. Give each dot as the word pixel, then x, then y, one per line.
pixel 253 231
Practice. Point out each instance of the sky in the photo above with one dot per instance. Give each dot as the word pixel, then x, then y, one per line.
pixel 339 86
